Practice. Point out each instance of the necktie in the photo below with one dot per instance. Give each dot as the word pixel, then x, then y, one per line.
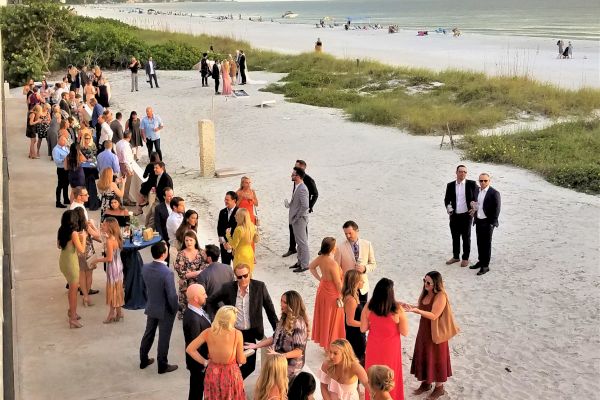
pixel 356 250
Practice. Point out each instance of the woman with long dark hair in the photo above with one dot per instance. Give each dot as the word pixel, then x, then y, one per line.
pixel 71 240
pixel 385 320
pixel 303 387
pixel 73 166
pixel 189 223
pixel 431 362
pixel 353 282
pixel 189 263
pixel 133 125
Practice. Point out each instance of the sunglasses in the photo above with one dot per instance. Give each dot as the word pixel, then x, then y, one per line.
pixel 426 282
pixel 242 276
pixel 484 180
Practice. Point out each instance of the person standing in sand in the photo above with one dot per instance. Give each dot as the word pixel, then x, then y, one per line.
pixel 134 66
pixel 151 68
pixel 486 212
pixel 459 196
pixel 150 128
pixel 227 90
pixel 204 71
pixel 298 218
pixel 242 63
pixel 233 68
pixel 560 45
pixel 216 76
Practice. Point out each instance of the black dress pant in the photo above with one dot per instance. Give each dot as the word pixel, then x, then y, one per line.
pixel 63 185
pixel 460 227
pixel 204 80
pixel 251 336
pixel 150 144
pixel 196 383
pixel 216 86
pixel 226 257
pixel 165 327
pixel 150 77
pixel 484 231
pixel 243 75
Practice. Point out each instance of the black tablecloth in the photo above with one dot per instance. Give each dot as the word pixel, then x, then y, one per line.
pixel 133 282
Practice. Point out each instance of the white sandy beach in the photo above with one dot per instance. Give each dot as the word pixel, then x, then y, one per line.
pixel 536 313
pixel 493 55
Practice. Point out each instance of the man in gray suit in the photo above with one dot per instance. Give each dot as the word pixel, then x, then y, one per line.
pixel 298 217
pixel 161 308
pixel 214 276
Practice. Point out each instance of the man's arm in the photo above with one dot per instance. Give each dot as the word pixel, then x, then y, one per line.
pixel 170 292
pixel 447 196
pixel 304 203
pixel 371 263
pixel 268 306
pixel 313 193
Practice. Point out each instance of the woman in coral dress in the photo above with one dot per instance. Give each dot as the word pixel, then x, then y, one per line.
pixel 385 320
pixel 115 294
pixel 242 240
pixel 328 318
pixel 222 376
pixel 247 198
pixel 227 89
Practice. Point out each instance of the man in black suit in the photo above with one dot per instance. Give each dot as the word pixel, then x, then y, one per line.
pixel 242 63
pixel 195 320
pixel 486 214
pixel 313 194
pixel 163 180
pixel 215 275
pixel 459 195
pixel 161 308
pixel 150 69
pixel 249 296
pixel 216 76
pixel 227 220
pixel 162 212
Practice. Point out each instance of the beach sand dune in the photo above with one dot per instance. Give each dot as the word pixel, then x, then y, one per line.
pixel 529 327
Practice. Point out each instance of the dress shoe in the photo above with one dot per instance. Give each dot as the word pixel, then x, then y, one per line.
pixel 425 387
pixel 289 253
pixel 168 368
pixel 297 265
pixel 144 364
pixel 60 205
pixel 93 291
pixel 475 266
pixel 452 261
pixel 483 270
pixel 300 269
pixel 437 393
pixel 464 263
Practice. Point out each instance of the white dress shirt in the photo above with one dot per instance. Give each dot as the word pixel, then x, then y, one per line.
pixel 461 199
pixel 242 303
pixel 124 152
pixel 106 133
pixel 173 222
pixel 74 205
pixel 480 199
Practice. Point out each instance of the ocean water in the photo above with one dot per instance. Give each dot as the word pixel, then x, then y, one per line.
pixel 568 20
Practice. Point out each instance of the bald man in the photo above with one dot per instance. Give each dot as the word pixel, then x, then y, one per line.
pixel 150 126
pixel 195 320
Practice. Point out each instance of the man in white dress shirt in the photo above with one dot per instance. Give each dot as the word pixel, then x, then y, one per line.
pixel 126 161
pixel 105 132
pixel 175 219
pixel 486 213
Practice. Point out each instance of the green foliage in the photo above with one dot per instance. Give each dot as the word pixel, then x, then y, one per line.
pixel 565 154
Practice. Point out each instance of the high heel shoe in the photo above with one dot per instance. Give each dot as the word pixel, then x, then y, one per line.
pixel 77 317
pixel 110 320
pixel 119 317
pixel 73 323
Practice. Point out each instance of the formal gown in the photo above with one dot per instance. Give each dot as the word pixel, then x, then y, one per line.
pixel 248 204
pixel 384 347
pixel 69 263
pixel 227 89
pixel 183 265
pixel 431 362
pixel 338 391
pixel 242 247
pixel 136 134
pixel 224 381
pixel 115 294
pixel 328 318
pixel 357 339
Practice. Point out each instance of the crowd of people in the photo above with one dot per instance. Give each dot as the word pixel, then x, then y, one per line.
pixel 218 300
pixel 229 70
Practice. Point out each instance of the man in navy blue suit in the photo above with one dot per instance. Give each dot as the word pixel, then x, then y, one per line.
pixel 486 219
pixel 161 308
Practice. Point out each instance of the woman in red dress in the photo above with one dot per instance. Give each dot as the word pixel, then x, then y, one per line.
pixel 431 362
pixel 328 318
pixel 385 320
pixel 247 198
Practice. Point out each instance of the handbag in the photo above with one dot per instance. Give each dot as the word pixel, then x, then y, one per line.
pixel 444 328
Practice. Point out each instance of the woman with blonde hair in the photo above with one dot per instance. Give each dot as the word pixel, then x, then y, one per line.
pixel 381 382
pixel 272 384
pixel 222 376
pixel 340 373
pixel 33 120
pixel 243 238
pixel 42 127
pixel 108 189
pixel 353 282
pixel 233 69
pixel 291 333
pixel 247 198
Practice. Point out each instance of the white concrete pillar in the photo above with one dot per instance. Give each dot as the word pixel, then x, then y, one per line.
pixel 206 140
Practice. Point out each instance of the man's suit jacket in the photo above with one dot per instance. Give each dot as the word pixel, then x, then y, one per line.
pixel 344 256
pixel 313 193
pixel 117 129
pixel 242 61
pixel 224 223
pixel 164 181
pixel 471 192
pixel 193 325
pixel 147 67
pixel 299 204
pixel 65 106
pixel 259 299
pixel 213 278
pixel 161 214
pixel 491 206
pixel 160 290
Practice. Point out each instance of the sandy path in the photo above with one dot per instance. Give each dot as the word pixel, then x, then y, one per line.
pixel 535 313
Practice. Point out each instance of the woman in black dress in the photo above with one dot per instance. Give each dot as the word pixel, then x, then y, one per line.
pixel 133 125
pixel 353 282
pixel 102 95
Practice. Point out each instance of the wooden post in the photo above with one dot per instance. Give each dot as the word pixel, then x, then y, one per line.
pixel 206 140
pixel 449 135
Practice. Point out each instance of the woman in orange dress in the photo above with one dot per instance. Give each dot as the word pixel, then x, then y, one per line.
pixel 247 198
pixel 328 324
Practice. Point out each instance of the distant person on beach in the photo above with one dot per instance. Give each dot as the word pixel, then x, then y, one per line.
pixel 460 193
pixel 561 46
pixel 242 63
pixel 134 66
pixel 227 221
pixel 227 89
pixel 150 128
pixel 233 69
pixel 570 50
pixel 204 72
pixel 151 68
pixel 318 45
pixel 486 211
pixel 216 76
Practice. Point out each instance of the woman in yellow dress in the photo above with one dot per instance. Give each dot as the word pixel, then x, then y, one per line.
pixel 243 237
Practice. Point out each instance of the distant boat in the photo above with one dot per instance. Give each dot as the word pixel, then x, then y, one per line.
pixel 289 14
